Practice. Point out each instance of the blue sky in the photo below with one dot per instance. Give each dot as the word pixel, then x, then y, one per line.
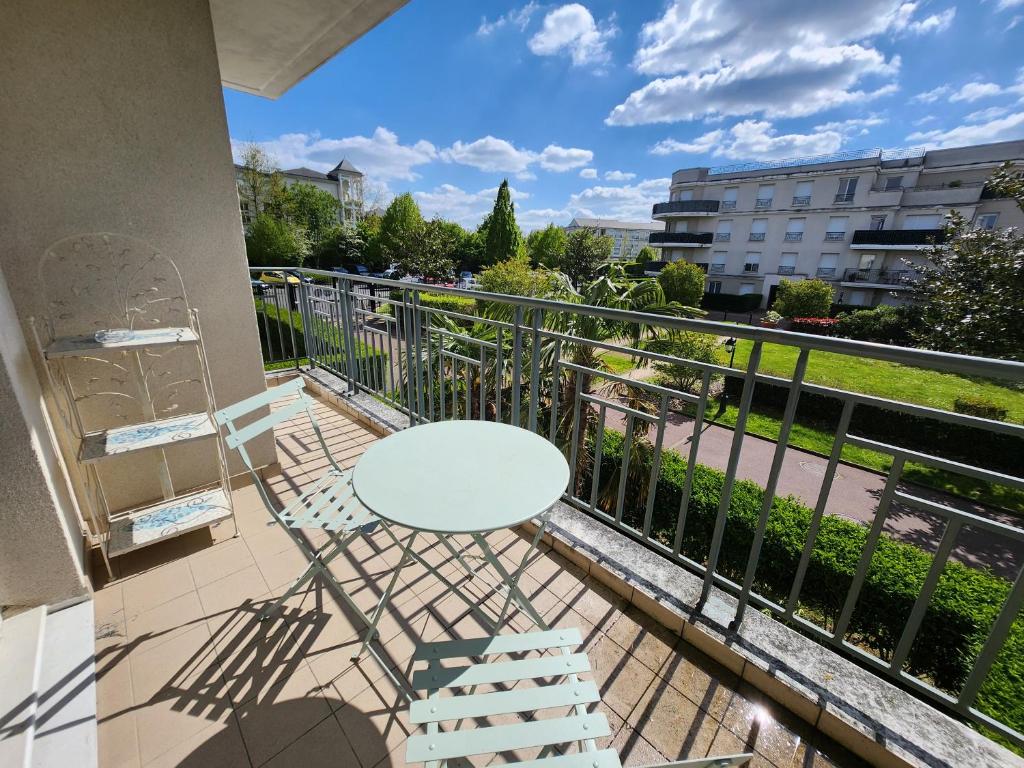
pixel 587 108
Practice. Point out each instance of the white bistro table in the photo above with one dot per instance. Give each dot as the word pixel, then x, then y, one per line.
pixel 461 477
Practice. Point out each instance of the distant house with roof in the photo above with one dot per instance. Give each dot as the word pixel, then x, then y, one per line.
pixel 628 236
pixel 344 181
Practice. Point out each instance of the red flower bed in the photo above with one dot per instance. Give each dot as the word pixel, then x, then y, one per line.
pixel 822 326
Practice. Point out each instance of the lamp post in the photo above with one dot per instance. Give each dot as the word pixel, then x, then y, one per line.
pixel 730 347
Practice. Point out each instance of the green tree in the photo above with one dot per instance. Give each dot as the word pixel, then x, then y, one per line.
pixel 401 224
pixel 369 232
pixel 504 239
pixel 646 255
pixel 682 282
pixel 1007 182
pixel 260 183
pixel 545 247
pixel 272 242
pixel 514 277
pixel 971 298
pixel 313 209
pixel 685 345
pixel 431 248
pixel 803 298
pixel 584 253
pixel 340 246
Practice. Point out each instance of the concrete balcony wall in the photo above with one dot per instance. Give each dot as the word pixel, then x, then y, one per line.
pixel 125 132
pixel 965 195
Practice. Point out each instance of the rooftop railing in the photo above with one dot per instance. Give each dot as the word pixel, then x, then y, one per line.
pixel 540 364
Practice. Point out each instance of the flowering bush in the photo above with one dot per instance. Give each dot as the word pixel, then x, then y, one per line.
pixel 822 326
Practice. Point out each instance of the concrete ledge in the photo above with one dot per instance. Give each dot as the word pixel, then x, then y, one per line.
pixel 874 719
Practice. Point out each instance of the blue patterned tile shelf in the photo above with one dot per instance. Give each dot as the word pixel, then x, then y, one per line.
pixel 167 520
pixel 118 338
pixel 153 434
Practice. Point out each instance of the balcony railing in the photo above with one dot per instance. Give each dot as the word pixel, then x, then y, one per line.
pixel 801 200
pixel 756 236
pixel 531 363
pixel 794 237
pixel 682 207
pixel 835 236
pixel 845 197
pixel 728 205
pixel 723 237
pixel 898 237
pixel 683 239
pixel 763 202
pixel 786 270
pixel 879 276
pixel 717 269
pixel 826 271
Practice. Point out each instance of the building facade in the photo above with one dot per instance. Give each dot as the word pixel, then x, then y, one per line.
pixel 859 220
pixel 344 181
pixel 628 236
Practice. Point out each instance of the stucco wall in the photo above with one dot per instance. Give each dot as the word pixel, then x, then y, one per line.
pixel 124 131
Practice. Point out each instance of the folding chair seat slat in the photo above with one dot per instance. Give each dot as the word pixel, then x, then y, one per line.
pixel 325 505
pixel 506 738
pixel 501 672
pixel 436 709
pixel 500 644
pixel 360 519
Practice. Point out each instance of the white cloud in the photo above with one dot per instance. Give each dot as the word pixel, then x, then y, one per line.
pixel 777 59
pixel 618 176
pixel 538 218
pixel 381 156
pixel 974 91
pixel 925 119
pixel 571 29
pixel 706 143
pixel 937 22
pixel 986 115
pixel 757 140
pixel 518 17
pixel 855 126
pixel 490 154
pixel 1000 129
pixel 629 201
pixel 467 208
pixel 559 159
pixel 1002 5
pixel 588 173
pixel 929 97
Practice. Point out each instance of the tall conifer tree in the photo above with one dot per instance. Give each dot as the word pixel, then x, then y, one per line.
pixel 504 240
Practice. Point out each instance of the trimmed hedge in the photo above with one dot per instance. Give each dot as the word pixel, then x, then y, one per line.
pixel 962 610
pixel 731 302
pixel 439 301
pixel 968 445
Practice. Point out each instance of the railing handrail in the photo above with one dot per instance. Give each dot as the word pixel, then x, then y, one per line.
pixel 925 358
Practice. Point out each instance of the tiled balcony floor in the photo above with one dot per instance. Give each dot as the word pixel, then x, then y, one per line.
pixel 187 676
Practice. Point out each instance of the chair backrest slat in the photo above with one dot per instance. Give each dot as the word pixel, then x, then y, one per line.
pixel 236 438
pixel 250 404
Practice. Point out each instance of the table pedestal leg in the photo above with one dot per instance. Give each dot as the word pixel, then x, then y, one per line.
pixel 386 597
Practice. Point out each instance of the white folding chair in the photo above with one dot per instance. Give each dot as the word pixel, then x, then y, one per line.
pixel 553 683
pixel 328 505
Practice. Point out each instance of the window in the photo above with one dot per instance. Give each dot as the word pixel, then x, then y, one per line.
pixel 718 262
pixel 758 229
pixel 856 298
pixel 715 286
pixel 795 230
pixel 686 194
pixel 923 221
pixel 867 261
pixel 752 262
pixel 847 186
pixel 802 193
pixel 746 289
pixel 836 228
pixel 893 182
pixel 827 264
pixel 877 223
pixel 986 220
pixel 729 198
pixel 724 231
pixel 787 264
pixel 765 194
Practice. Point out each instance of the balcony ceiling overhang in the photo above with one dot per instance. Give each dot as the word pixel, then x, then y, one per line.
pixel 266 46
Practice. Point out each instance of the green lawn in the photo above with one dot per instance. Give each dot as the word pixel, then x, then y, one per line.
pixel 883 379
pixel 618 362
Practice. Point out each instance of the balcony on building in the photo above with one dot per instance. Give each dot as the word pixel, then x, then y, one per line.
pixel 800 201
pixel 835 236
pixel 680 209
pixel 828 272
pixel 897 239
pixel 680 239
pixel 794 237
pixel 891 279
pixel 756 237
pixel 763 202
pixel 844 197
pixel 728 205
pixel 786 270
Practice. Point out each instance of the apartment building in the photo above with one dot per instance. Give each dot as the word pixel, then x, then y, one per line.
pixel 344 181
pixel 859 220
pixel 628 236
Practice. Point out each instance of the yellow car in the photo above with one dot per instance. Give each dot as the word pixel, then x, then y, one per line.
pixel 278 277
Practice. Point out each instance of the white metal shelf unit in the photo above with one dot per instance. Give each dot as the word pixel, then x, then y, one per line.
pixel 147 351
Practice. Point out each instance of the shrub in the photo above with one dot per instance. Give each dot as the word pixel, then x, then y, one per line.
pixel 771 316
pixel 515 278
pixel 438 301
pixel 272 242
pixel 731 302
pixel 821 326
pixel 699 347
pixel 963 607
pixel 683 283
pixel 803 298
pixel 979 406
pixel 883 325
pixel 634 269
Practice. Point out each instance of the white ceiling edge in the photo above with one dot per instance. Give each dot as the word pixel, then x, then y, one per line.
pixel 264 47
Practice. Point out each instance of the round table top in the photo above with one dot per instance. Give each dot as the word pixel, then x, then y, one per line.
pixel 460 477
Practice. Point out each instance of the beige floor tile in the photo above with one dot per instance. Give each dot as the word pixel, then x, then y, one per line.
pixel 118 745
pixel 219 744
pixel 763 725
pixel 325 746
pixel 108 603
pixel 646 640
pixel 113 685
pixel 700 679
pixel 167 620
pixel 219 561
pixel 622 680
pixel 145 591
pixel 672 723
pixel 375 721
pixel 225 598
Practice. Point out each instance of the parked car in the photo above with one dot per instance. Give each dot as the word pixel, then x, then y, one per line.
pixel 279 278
pixel 259 288
pixel 392 273
pixel 299 276
pixel 340 270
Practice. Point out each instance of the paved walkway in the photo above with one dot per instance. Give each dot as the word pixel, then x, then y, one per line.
pixel 854 495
